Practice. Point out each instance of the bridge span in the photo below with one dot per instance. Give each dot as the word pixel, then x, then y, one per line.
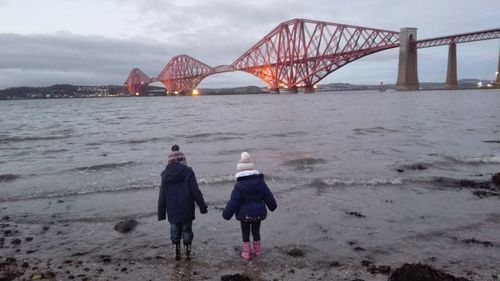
pixel 299 53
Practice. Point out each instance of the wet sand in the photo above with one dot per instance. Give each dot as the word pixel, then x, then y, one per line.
pixel 318 232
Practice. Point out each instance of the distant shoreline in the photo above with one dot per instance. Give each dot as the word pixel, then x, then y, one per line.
pixel 65 91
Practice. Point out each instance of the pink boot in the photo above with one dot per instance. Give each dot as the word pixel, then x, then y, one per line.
pixel 245 254
pixel 256 248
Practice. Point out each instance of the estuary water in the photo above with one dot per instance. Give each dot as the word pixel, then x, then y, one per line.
pixel 105 155
pixel 362 179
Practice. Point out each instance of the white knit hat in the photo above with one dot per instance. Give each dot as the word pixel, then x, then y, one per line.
pixel 245 163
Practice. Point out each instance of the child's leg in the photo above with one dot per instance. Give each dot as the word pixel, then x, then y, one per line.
pixel 256 230
pixel 187 237
pixel 187 233
pixel 245 231
pixel 175 232
pixel 256 237
pixel 175 236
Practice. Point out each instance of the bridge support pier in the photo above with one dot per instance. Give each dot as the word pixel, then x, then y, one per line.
pixel 292 90
pixel 451 75
pixel 407 71
pixel 498 71
pixel 309 89
pixel 274 90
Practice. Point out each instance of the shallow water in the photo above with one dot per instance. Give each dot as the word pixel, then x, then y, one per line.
pixel 80 165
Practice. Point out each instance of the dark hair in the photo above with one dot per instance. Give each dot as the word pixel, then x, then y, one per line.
pixel 175 147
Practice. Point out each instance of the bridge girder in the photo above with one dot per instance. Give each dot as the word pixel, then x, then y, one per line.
pixel 300 53
pixel 297 53
pixel 137 82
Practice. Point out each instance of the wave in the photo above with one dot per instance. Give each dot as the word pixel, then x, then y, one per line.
pixel 478 159
pixel 52 151
pixel 137 141
pixel 376 130
pixel 304 163
pixel 8 177
pixel 336 182
pixel 216 179
pixel 108 166
pixel 61 194
pixel 289 134
pixel 491 141
pixel 212 137
pixel 6 140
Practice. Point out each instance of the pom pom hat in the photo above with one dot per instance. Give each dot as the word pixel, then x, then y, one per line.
pixel 176 156
pixel 245 162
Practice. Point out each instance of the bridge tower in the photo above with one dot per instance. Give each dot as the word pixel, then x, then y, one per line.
pixel 451 75
pixel 137 82
pixel 498 70
pixel 407 72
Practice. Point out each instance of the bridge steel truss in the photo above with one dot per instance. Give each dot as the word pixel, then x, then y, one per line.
pixel 137 82
pixel 458 38
pixel 296 54
pixel 183 73
pixel 299 53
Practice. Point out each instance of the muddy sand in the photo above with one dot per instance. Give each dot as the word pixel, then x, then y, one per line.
pixel 318 232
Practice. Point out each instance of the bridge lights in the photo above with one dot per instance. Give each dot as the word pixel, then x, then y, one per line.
pixel 195 92
pixel 137 94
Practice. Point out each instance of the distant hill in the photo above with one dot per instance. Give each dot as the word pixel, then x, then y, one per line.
pixel 72 91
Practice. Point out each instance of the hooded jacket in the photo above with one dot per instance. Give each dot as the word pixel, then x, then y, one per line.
pixel 249 199
pixel 178 192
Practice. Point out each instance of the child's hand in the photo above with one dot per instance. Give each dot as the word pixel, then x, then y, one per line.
pixel 204 210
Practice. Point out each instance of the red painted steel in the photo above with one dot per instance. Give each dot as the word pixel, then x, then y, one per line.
pixel 458 38
pixel 183 73
pixel 137 82
pixel 296 54
pixel 300 53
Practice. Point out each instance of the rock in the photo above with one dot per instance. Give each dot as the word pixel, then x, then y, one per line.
pixel 335 264
pixel 421 272
pixel 382 269
pixel 105 258
pixel 5 218
pixel 126 225
pixel 36 276
pixel 484 193
pixel 295 252
pixel 475 241
pixel 28 239
pixel 473 184
pixel 496 179
pixel 356 214
pixel 45 227
pixel 15 241
pixel 235 277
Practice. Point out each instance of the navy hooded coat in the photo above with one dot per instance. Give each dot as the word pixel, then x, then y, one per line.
pixel 249 199
pixel 178 192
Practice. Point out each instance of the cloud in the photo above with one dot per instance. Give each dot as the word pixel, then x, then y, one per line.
pixel 68 45
pixel 64 55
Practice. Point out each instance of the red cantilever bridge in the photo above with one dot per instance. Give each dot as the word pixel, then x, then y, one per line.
pixel 298 54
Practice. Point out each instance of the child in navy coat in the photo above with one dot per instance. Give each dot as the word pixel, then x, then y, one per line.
pixel 248 201
pixel 178 193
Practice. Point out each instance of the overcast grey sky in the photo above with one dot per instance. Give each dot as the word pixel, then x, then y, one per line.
pixel 97 42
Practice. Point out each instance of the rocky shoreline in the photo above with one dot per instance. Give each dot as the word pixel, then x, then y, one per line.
pixel 138 249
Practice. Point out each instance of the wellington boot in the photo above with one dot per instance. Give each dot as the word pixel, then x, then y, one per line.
pixel 245 254
pixel 177 250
